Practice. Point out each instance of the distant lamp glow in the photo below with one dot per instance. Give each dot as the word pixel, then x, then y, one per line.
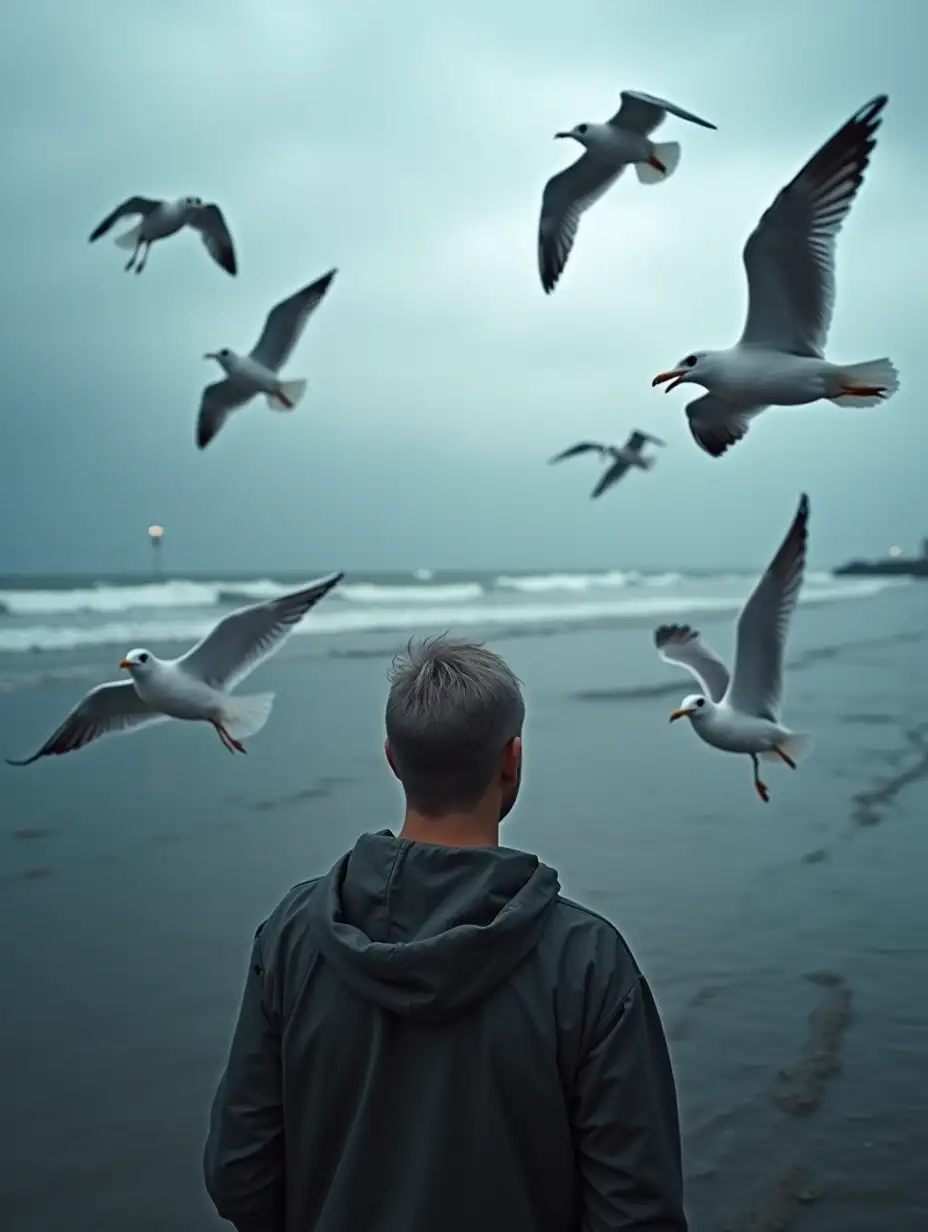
pixel 894 551
pixel 155 536
pixel 156 533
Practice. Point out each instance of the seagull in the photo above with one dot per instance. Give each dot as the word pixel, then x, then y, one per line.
pixel 248 375
pixel 789 259
pixel 195 687
pixel 608 150
pixel 623 457
pixel 163 218
pixel 740 713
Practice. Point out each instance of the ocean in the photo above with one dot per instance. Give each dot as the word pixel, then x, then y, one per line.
pixel 786 943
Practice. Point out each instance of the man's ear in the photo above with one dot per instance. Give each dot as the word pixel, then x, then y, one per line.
pixel 512 755
pixel 389 756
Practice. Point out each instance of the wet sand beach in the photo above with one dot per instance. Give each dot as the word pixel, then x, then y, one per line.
pixel 786 943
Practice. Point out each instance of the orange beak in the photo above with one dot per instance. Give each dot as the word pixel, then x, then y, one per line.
pixel 125 663
pixel 675 375
pixel 679 714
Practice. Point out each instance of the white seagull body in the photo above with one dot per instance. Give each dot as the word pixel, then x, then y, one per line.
pixel 740 712
pixel 608 149
pixel 790 263
pixel 257 373
pixel 621 458
pixel 163 218
pixel 194 687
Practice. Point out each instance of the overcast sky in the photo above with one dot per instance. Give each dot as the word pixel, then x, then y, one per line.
pixel 407 143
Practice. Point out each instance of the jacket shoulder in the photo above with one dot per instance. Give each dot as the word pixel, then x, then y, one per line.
pixel 287 913
pixel 590 943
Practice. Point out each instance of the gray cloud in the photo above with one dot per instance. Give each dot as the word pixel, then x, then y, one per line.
pixel 408 145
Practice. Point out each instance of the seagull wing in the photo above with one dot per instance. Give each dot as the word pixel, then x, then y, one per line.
pixel 217 403
pixel 757 681
pixel 575 450
pixel 565 198
pixel 643 113
pixel 638 439
pixel 681 644
pixel 214 233
pixel 286 322
pixel 790 256
pixel 611 476
pixel 131 205
pixel 243 639
pixel 716 424
pixel 108 710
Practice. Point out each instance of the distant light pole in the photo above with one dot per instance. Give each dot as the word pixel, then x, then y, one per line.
pixel 155 537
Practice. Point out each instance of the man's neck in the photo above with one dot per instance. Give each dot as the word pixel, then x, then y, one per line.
pixel 452 830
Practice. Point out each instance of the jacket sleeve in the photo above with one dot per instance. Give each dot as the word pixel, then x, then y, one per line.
pixel 626 1124
pixel 244 1157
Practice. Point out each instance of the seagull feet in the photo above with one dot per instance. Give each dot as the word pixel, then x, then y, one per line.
pixel 861 391
pixel 233 745
pixel 285 400
pixel 656 163
pixel 786 757
pixel 759 787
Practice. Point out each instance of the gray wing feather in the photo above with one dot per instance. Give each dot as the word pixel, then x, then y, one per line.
pixel 567 195
pixel 789 258
pixel 110 709
pixel 716 425
pixel 637 439
pixel 757 681
pixel 681 644
pixel 131 205
pixel 217 403
pixel 644 113
pixel 611 476
pixel 243 639
pixel 575 450
pixel 214 232
pixel 286 322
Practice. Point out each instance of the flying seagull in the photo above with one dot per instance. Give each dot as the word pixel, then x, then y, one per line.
pixel 622 458
pixel 159 219
pixel 740 713
pixel 249 375
pixel 196 687
pixel 608 150
pixel 789 259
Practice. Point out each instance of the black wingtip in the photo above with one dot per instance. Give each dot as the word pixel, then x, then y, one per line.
pixel 27 762
pixel 870 111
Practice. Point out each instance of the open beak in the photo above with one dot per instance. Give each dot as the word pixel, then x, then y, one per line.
pixel 675 375
pixel 124 663
pixel 679 714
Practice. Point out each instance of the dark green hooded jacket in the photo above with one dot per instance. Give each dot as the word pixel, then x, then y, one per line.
pixel 432 1040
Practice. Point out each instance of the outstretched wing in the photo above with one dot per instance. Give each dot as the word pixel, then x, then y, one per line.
pixel 131 205
pixel 575 450
pixel 110 709
pixel 567 195
pixel 286 322
pixel 243 639
pixel 209 221
pixel 637 439
pixel 682 644
pixel 644 113
pixel 219 400
pixel 611 476
pixel 716 425
pixel 790 256
pixel 757 681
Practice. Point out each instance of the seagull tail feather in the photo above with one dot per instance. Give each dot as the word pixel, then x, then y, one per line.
pixel 667 154
pixel 128 239
pixel 872 374
pixel 796 745
pixel 245 716
pixel 292 392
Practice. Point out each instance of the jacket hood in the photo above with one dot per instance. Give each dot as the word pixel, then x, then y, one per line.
pixel 426 931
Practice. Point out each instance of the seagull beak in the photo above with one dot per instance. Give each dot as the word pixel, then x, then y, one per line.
pixel 679 714
pixel 124 663
pixel 210 355
pixel 556 135
pixel 675 375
